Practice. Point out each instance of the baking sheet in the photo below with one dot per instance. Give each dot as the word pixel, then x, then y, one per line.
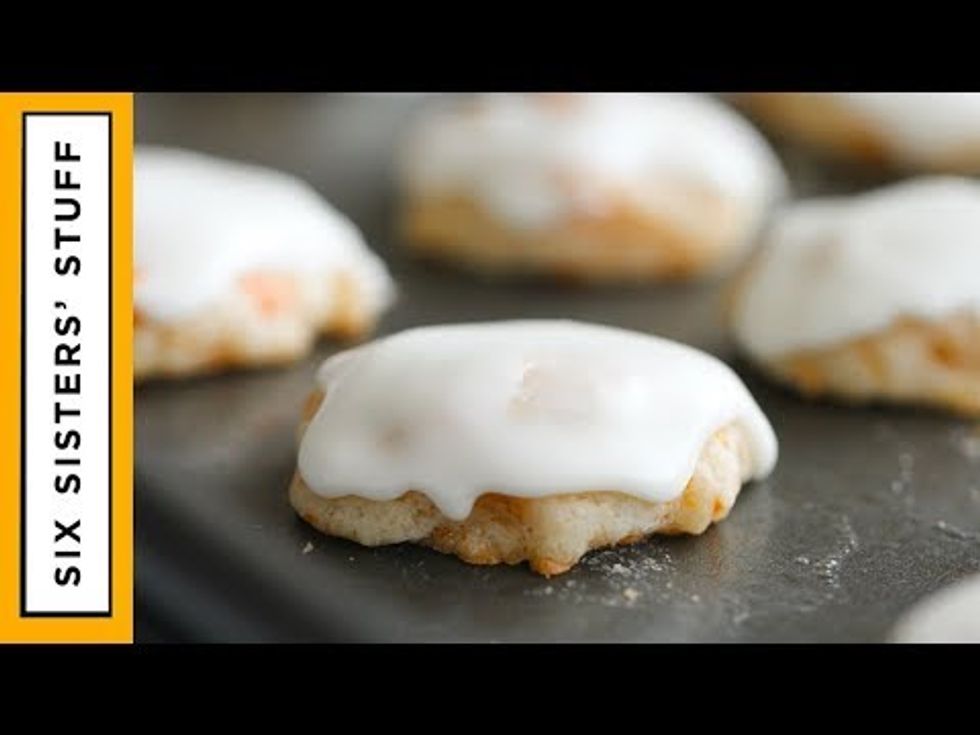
pixel 869 509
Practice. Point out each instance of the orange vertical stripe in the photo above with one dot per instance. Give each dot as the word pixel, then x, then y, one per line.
pixel 118 628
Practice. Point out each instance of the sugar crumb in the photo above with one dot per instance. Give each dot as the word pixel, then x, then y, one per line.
pixel 968 443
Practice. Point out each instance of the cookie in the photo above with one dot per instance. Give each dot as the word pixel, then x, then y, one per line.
pixel 239 266
pixel 525 441
pixel 586 187
pixel 872 297
pixel 951 615
pixel 924 131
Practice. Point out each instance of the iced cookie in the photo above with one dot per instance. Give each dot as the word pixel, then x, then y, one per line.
pixel 586 187
pixel 527 440
pixel 237 265
pixel 951 615
pixel 875 296
pixel 931 131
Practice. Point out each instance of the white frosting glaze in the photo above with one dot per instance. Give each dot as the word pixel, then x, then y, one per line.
pixel 839 268
pixel 918 125
pixel 201 222
pixel 532 159
pixel 525 408
pixel 951 615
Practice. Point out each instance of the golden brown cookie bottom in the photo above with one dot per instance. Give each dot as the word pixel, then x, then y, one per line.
pixel 819 121
pixel 553 532
pixel 269 319
pixel 624 244
pixel 934 363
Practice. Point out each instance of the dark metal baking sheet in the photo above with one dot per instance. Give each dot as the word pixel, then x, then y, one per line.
pixel 868 510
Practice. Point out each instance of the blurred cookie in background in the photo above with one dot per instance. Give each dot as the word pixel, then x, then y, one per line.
pixel 951 615
pixel 918 131
pixel 871 297
pixel 237 266
pixel 586 187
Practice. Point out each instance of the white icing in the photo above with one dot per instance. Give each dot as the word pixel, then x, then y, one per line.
pixel 918 125
pixel 951 615
pixel 202 222
pixel 839 268
pixel 532 159
pixel 525 408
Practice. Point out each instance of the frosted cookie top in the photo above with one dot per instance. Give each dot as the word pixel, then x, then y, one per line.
pixel 525 408
pixel 202 222
pixel 533 159
pixel 839 268
pixel 918 126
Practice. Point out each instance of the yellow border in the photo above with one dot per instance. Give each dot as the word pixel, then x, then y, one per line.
pixel 118 628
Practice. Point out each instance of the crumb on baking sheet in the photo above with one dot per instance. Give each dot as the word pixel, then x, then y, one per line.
pixel 621 577
pixel 956 532
pixel 967 441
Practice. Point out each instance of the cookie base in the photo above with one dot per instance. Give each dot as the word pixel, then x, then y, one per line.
pixel 623 244
pixel 552 532
pixel 249 330
pixel 822 123
pixel 935 363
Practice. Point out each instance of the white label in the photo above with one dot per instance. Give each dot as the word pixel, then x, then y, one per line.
pixel 66 386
